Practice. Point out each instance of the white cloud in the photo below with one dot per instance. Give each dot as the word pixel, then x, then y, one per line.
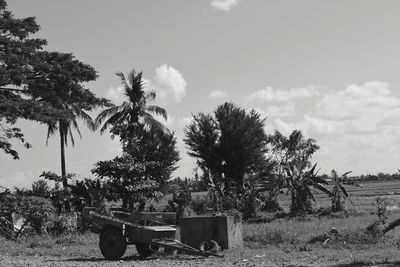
pixel 357 127
pixel 217 94
pixel 370 100
pixel 168 80
pixel 269 94
pixel 224 5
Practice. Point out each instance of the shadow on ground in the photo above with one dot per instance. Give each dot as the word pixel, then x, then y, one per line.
pixel 136 258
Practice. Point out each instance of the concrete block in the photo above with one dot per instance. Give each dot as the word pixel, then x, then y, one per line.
pixel 225 230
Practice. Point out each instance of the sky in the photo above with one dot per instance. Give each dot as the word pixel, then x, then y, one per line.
pixel 329 68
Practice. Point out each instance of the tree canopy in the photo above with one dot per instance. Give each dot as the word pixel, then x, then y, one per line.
pixel 230 143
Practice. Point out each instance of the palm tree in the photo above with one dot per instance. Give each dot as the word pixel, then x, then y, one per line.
pixel 64 128
pixel 135 110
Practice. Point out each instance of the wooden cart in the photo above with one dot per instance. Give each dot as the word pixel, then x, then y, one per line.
pixel 147 235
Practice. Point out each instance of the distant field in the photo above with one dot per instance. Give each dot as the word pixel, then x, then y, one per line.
pixel 361 197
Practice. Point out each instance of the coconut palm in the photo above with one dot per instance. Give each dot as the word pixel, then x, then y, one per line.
pixel 65 127
pixel 135 109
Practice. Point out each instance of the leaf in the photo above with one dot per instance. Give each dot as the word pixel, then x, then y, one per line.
pixel 343 190
pixel 323 189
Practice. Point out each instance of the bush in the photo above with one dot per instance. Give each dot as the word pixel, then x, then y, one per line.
pixel 36 212
pixel 66 223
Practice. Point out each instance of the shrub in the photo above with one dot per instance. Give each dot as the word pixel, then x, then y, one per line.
pixel 36 212
pixel 64 224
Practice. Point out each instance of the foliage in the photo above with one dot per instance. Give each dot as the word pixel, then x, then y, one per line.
pixel 40 188
pixel 287 151
pixel 381 209
pixel 121 119
pixel 36 212
pixel 88 193
pixel 18 53
pixel 127 180
pixel 59 82
pixel 230 143
pixel 149 150
pixel 290 157
pixel 339 193
pixel 63 224
pixel 299 181
pixel 148 160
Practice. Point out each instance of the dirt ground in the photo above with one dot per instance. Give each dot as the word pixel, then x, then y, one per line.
pixel 243 257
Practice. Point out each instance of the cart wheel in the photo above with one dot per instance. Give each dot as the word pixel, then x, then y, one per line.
pixel 146 250
pixel 112 244
pixel 209 246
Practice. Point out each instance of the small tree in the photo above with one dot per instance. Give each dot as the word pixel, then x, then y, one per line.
pixel 228 145
pixel 339 193
pixel 285 155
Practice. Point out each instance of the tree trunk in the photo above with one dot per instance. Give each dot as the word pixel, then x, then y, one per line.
pixel 301 203
pixel 63 169
pixel 62 143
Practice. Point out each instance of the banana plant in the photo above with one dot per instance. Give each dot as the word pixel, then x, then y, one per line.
pixel 299 182
pixel 339 193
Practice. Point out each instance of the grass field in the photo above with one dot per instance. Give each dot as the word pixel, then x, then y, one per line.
pixel 282 242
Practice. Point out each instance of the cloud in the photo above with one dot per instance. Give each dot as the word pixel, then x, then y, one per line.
pixel 224 5
pixel 368 100
pixel 284 110
pixel 269 94
pixel 217 94
pixel 357 127
pixel 168 80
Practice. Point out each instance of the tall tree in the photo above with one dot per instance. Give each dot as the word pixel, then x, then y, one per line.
pixel 149 150
pixel 231 143
pixel 18 53
pixel 59 82
pixel 134 110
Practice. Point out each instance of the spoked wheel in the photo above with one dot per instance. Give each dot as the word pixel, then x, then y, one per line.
pixel 112 244
pixel 146 250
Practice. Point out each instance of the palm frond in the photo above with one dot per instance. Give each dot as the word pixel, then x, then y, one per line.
pixel 323 189
pixel 76 127
pixel 343 190
pixel 51 130
pixel 346 173
pixel 151 95
pixel 87 120
pixel 71 136
pixel 157 110
pixel 154 124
